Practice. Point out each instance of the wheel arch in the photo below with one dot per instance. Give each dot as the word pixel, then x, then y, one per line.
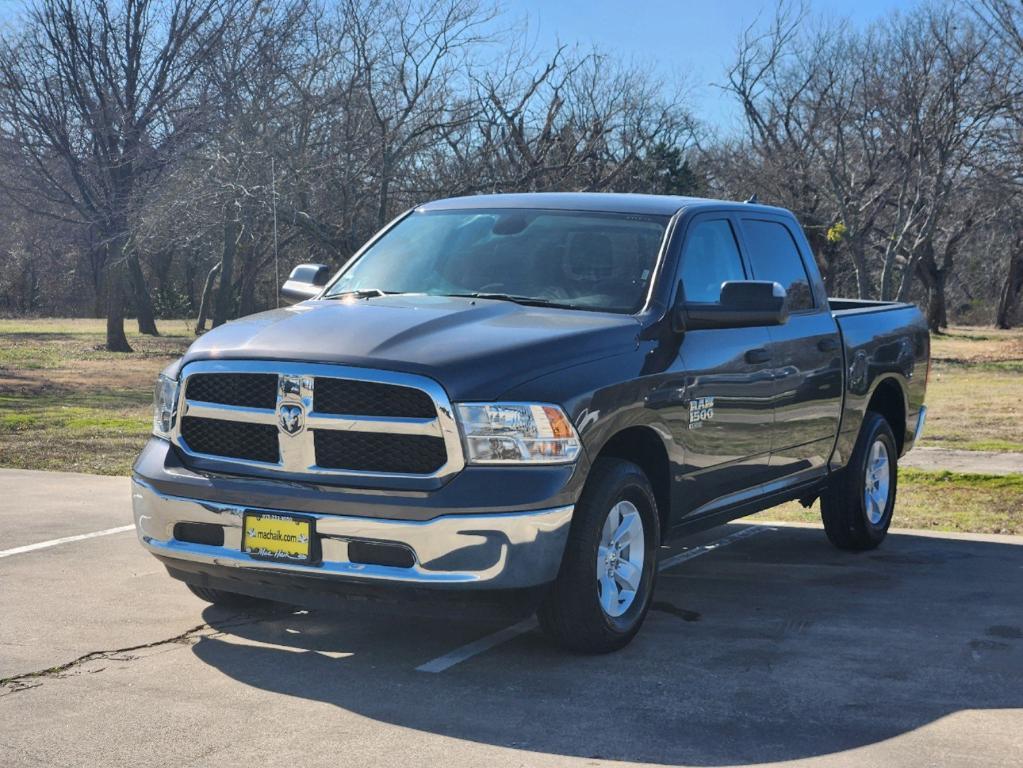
pixel 889 400
pixel 644 446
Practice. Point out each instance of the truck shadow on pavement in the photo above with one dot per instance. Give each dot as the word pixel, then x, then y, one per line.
pixel 775 648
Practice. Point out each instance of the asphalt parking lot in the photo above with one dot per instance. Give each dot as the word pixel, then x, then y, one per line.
pixel 765 645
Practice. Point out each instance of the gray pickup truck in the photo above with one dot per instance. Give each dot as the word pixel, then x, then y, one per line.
pixel 523 396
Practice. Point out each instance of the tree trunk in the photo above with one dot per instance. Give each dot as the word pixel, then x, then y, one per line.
pixel 937 315
pixel 910 271
pixel 385 186
pixel 1009 295
pixel 190 276
pixel 383 197
pixel 143 302
pixel 887 275
pixel 232 230
pixel 116 340
pixel 934 279
pixel 859 260
pixel 204 302
pixel 247 292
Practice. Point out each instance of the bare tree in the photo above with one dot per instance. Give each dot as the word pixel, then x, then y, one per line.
pixel 799 147
pixel 881 140
pixel 96 98
pixel 1004 19
pixel 168 135
pixel 942 100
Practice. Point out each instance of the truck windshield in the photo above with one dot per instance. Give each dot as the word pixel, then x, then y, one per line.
pixel 576 259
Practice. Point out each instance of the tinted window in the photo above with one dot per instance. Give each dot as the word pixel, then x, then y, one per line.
pixel 710 257
pixel 774 256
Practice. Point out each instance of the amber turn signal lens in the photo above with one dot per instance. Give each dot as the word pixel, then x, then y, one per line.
pixel 558 421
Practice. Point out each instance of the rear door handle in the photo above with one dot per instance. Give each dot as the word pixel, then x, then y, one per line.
pixel 757 356
pixel 827 344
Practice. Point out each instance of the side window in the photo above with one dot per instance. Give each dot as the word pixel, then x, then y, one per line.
pixel 710 257
pixel 773 255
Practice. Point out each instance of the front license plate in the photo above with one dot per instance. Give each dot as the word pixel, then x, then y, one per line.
pixel 278 537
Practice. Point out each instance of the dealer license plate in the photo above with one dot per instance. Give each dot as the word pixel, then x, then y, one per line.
pixel 278 537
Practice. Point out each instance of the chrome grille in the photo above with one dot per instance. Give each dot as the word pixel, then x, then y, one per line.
pixel 322 420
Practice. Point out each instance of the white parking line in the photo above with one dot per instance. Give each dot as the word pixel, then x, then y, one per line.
pixel 469 650
pixel 476 647
pixel 65 540
pixel 703 549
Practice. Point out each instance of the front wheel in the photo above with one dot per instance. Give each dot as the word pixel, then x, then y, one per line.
pixel 603 590
pixel 857 508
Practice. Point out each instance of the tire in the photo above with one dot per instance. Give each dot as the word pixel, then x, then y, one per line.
pixel 572 613
pixel 854 518
pixel 224 599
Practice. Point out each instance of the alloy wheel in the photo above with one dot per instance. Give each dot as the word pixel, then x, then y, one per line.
pixel 620 557
pixel 877 483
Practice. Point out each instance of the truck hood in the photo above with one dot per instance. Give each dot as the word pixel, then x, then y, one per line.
pixel 476 348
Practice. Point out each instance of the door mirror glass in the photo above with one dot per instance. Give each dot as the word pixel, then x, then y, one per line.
pixel 742 304
pixel 305 282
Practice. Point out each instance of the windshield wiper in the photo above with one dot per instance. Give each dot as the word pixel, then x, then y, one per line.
pixel 528 301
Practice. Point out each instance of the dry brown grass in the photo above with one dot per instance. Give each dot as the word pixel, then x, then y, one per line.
pixel 973 345
pixel 67 404
pixel 975 395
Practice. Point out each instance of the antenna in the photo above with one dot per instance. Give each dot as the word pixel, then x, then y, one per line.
pixel 277 266
pixel 753 199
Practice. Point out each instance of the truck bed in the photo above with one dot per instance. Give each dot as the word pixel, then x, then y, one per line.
pixel 883 343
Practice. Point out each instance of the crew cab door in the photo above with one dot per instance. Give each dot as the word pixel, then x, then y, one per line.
pixel 805 352
pixel 726 419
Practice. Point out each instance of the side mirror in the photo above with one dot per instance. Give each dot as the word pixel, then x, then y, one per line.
pixel 743 304
pixel 305 282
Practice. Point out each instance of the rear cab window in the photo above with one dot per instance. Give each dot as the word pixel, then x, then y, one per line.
pixel 774 255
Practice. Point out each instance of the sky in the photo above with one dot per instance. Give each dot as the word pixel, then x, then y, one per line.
pixel 694 39
pixel 688 40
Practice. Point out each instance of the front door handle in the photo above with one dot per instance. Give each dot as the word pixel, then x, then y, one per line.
pixel 828 344
pixel 755 356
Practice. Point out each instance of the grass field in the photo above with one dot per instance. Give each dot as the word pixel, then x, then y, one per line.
pixel 66 404
pixel 975 394
pixel 941 501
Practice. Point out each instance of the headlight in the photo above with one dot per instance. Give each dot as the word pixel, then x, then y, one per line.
pixel 517 433
pixel 165 406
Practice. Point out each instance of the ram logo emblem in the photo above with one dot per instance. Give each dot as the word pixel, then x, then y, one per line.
pixel 291 418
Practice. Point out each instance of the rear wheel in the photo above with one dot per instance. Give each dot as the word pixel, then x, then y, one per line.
pixel 604 587
pixel 857 507
pixel 226 599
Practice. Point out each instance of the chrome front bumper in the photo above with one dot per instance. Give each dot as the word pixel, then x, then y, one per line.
pixel 492 551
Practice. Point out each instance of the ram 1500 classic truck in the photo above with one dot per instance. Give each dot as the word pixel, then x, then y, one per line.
pixel 526 395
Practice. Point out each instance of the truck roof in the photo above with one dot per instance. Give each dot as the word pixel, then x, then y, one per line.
pixel 608 202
